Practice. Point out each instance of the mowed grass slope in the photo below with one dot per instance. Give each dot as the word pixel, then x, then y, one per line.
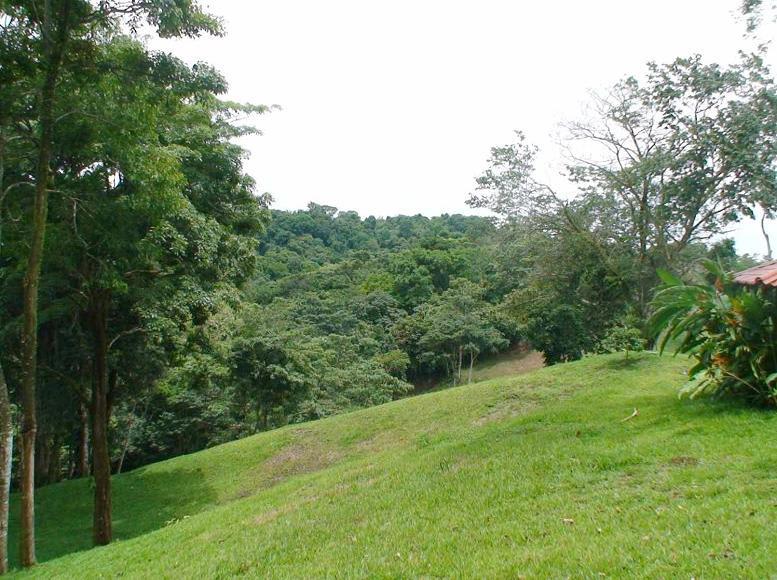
pixel 534 476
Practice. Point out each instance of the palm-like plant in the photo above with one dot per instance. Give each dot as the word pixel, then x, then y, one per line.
pixel 729 330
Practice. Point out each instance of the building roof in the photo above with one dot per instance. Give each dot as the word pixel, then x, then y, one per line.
pixel 765 274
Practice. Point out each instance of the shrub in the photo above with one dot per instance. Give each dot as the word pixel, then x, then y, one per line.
pixel 621 338
pixel 728 329
pixel 558 333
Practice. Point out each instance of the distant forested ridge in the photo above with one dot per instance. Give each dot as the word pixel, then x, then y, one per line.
pixel 336 312
pixel 345 312
pixel 341 313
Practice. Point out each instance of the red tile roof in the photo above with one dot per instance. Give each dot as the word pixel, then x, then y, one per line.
pixel 764 274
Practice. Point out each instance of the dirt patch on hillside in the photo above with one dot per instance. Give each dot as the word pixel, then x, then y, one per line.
pixel 511 406
pixel 301 456
pixel 296 459
pixel 269 516
pixel 516 361
pixel 684 461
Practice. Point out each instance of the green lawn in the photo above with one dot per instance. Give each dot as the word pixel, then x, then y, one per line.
pixel 534 476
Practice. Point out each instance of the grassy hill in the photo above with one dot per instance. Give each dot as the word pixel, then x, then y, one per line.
pixel 535 476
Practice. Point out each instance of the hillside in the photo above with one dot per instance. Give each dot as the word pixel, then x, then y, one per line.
pixel 536 475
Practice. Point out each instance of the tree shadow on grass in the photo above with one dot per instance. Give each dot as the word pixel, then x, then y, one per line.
pixel 730 405
pixel 624 362
pixel 143 501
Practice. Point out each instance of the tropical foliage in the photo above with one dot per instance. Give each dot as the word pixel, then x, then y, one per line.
pixel 728 329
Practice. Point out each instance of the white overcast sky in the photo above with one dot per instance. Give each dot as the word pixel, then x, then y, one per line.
pixel 391 107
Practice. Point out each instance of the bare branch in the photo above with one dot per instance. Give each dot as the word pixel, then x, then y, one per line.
pixel 123 334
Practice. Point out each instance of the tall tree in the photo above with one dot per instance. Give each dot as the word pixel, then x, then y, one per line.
pixel 14 64
pixel 158 219
pixel 63 32
pixel 684 154
pixel 662 165
pixel 54 29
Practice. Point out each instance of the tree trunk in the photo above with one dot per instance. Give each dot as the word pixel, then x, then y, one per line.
pixel 6 419
pixel 54 473
pixel 42 457
pixel 124 450
pixel 257 420
pixel 53 53
pixel 471 364
pixel 6 453
pixel 127 438
pixel 766 237
pixel 461 358
pixel 82 465
pixel 3 191
pixel 102 529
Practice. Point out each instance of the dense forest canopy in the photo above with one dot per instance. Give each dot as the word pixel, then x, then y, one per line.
pixel 340 312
